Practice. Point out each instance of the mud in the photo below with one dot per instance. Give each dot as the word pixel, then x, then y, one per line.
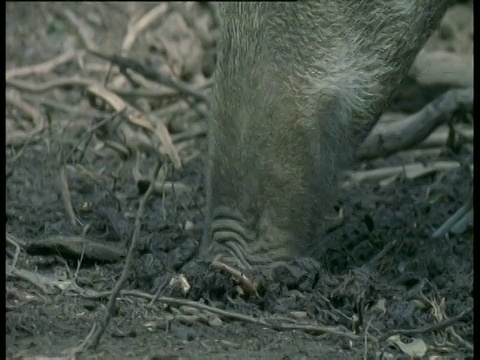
pixel 381 273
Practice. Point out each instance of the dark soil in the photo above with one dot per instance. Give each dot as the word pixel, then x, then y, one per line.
pixel 380 275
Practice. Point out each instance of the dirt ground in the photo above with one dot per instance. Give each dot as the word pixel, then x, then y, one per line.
pixel 78 167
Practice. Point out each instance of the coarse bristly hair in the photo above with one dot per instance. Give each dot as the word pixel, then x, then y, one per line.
pixel 297 86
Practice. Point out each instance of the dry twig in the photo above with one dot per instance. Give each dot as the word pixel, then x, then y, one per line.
pixel 42 68
pixel 93 338
pixel 146 20
pixel 416 127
